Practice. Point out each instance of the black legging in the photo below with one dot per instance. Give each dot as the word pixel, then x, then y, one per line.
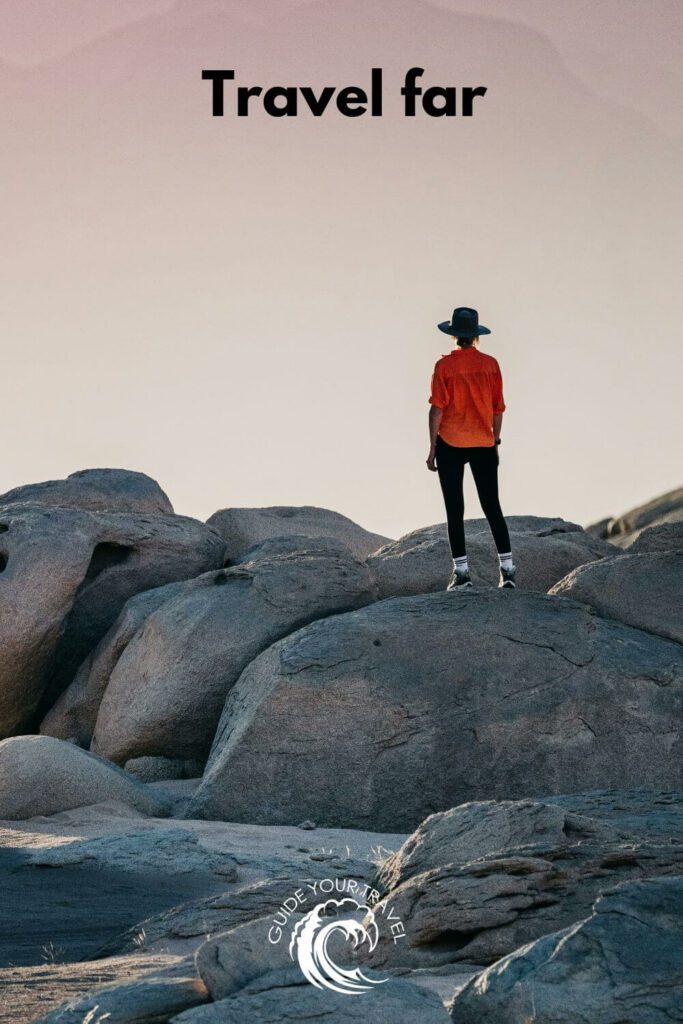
pixel 450 464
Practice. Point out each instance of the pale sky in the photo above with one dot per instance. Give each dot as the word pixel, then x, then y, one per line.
pixel 246 309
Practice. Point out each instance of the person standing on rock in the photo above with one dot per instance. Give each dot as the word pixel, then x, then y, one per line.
pixel 465 421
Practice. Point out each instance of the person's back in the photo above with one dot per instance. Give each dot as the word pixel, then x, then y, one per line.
pixel 470 384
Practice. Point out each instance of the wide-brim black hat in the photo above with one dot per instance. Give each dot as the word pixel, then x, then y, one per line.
pixel 464 324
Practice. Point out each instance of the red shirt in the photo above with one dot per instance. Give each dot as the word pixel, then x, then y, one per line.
pixel 468 386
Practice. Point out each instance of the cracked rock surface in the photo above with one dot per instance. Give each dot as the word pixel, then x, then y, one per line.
pixel 474 883
pixel 621 964
pixel 478 695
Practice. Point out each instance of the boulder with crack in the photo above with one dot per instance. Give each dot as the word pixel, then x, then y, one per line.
pixel 474 883
pixel 378 717
pixel 65 574
pixel 167 688
pixel 621 964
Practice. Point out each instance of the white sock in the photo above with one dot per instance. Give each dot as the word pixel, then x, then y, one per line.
pixel 460 564
pixel 505 560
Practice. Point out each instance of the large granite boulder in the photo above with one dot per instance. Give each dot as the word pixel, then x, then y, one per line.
pixel 229 961
pixel 95 490
pixel 643 590
pixel 623 530
pixel 64 576
pixel 294 543
pixel 167 689
pixel 665 537
pixel 379 717
pixel 285 996
pixel 544 551
pixel 474 883
pixel 622 965
pixel 242 528
pixel 73 716
pixel 42 775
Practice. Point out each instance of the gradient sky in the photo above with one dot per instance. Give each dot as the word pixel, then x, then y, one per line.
pixel 246 309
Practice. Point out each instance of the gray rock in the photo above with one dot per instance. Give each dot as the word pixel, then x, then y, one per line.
pixel 643 590
pixel 293 544
pixel 95 490
pixel 74 714
pixel 65 576
pixel 474 883
pixel 243 528
pixel 42 775
pixel 158 769
pixel 665 537
pixel 666 508
pixel 544 550
pixel 652 814
pixel 378 717
pixel 149 1000
pixel 198 642
pixel 622 964
pixel 285 996
pixel 170 851
pixel 230 961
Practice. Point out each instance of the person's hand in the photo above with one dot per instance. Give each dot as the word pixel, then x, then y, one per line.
pixel 431 464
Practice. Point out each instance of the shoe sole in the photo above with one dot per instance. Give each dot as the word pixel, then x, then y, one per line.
pixel 463 586
pixel 508 585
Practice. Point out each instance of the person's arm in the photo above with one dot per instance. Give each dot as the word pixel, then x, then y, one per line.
pixel 498 403
pixel 497 424
pixel 439 398
pixel 435 415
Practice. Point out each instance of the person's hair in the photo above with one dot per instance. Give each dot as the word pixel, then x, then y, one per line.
pixel 466 342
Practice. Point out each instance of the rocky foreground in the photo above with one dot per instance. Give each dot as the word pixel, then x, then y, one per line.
pixel 200 719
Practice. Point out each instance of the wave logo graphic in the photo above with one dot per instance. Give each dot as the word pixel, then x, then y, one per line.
pixel 311 936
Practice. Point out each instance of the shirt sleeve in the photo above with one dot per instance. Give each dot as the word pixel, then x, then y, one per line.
pixel 498 400
pixel 439 395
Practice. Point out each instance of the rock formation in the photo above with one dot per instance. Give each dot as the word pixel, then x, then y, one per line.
pixel 479 695
pixel 95 490
pixel 167 689
pixel 65 575
pixel 42 775
pixel 476 882
pixel 642 590
pixel 502 767
pixel 622 963
pixel 545 550
pixel 243 528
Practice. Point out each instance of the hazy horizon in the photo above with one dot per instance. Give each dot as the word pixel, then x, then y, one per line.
pixel 246 308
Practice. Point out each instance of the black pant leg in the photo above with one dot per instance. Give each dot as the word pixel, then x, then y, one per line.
pixel 451 467
pixel 484 463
